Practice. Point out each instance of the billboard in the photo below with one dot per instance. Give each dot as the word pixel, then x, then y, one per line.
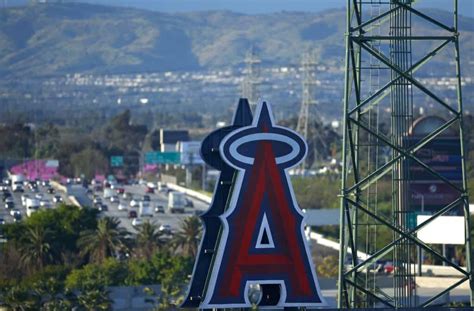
pixel 428 192
pixel 442 230
pixel 190 152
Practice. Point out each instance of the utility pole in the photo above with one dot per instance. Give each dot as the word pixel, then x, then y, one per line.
pixel 308 68
pixel 251 79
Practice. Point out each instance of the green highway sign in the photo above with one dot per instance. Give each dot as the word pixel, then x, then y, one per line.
pixel 156 157
pixel 116 161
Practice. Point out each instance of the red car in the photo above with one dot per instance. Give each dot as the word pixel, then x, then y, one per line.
pixel 120 190
pixel 150 190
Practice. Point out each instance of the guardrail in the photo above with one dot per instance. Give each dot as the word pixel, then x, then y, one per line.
pixel 191 193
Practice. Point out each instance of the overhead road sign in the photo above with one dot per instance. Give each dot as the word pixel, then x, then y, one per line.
pixel 116 161
pixel 156 157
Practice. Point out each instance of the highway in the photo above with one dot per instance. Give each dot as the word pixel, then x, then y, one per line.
pixel 158 198
pixel 134 191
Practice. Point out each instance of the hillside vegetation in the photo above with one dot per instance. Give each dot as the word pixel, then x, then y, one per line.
pixel 48 39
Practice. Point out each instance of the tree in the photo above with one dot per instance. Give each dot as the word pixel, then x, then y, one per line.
pixel 89 162
pixel 20 298
pixel 148 240
pixel 189 236
pixel 35 248
pixel 94 297
pixel 106 240
pixel 63 224
pixel 109 273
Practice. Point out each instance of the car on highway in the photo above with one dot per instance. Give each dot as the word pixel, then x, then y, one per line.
pixel 165 229
pixel 17 188
pixel 103 208
pixel 160 209
pixel 134 203
pixel 388 267
pixel 17 217
pixel 57 199
pixel 8 199
pixel 45 203
pixel 45 183
pixel 162 187
pixel 150 190
pixel 9 205
pixel 132 214
pixel 137 222
pixel 14 211
pixel 122 206
pixel 2 221
pixel 146 198
pixel 39 196
pixel 50 190
pixel 120 190
pixel 97 200
pixel 114 199
pixel 23 199
pixel 126 195
pixel 189 203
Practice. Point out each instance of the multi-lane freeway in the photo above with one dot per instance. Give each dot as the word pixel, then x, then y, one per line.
pixel 136 192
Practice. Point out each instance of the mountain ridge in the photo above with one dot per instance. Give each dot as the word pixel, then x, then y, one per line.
pixel 56 39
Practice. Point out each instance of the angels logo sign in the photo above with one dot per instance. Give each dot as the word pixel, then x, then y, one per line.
pixel 262 240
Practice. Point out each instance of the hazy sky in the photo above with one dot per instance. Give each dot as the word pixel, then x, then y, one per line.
pixel 466 7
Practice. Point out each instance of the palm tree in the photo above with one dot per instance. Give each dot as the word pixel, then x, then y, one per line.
pixel 106 240
pixel 148 240
pixel 189 236
pixel 35 249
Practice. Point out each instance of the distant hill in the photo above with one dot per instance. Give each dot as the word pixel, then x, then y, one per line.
pixel 50 39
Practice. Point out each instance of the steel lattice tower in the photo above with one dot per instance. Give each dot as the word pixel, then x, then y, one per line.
pixel 251 78
pixel 308 66
pixel 385 57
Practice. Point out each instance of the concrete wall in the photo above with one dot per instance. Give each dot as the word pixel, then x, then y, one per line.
pixel 132 297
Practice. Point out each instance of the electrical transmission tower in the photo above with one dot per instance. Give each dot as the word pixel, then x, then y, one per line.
pixel 386 61
pixel 251 79
pixel 308 68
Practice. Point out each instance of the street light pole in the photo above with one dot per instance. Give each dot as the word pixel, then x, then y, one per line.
pixel 420 250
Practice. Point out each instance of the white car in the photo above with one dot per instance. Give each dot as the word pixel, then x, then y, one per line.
pixel 45 203
pixel 114 199
pixel 122 207
pixel 134 203
pixel 97 200
pixel 23 199
pixel 137 222
pixel 39 196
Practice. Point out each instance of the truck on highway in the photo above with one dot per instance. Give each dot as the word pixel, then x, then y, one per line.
pixel 17 181
pixel 176 202
pixel 32 205
pixel 108 192
pixel 145 209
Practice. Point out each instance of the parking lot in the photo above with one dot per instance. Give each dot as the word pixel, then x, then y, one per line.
pixel 132 192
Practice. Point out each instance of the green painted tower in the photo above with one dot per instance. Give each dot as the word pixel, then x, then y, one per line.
pixel 403 154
